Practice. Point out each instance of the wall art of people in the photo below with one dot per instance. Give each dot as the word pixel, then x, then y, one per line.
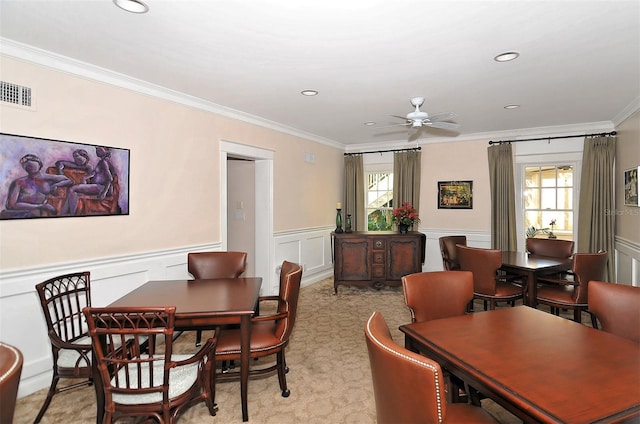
pixel 41 178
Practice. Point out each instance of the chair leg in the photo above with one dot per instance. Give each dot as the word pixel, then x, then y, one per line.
pixel 47 401
pixel 577 315
pixel 198 338
pixel 282 379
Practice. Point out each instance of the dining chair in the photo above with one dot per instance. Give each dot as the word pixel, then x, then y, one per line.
pixel 204 265
pixel 146 379
pixel 488 285
pixel 449 253
pixel 270 334
pixel 553 248
pixel 62 299
pixel 11 361
pixel 572 292
pixel 409 387
pixel 616 307
pixel 435 295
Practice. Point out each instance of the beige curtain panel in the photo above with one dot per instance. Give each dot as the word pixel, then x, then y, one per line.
pixel 406 178
pixel 596 219
pixel 503 198
pixel 354 191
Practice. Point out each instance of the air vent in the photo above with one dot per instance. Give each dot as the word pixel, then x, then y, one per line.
pixel 15 94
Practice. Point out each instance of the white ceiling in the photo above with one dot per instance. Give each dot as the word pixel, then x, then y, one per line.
pixel 579 60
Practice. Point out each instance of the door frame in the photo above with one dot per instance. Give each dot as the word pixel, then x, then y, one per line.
pixel 264 201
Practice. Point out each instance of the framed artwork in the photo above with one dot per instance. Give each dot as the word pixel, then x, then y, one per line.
pixel 631 186
pixel 455 194
pixel 42 178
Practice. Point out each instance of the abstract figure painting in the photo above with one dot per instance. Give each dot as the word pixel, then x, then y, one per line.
pixel 631 186
pixel 455 194
pixel 41 178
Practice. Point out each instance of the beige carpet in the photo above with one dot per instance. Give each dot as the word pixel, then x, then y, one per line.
pixel 329 375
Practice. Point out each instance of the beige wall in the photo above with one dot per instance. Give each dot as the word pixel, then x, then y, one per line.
pixel 174 176
pixel 627 156
pixel 462 161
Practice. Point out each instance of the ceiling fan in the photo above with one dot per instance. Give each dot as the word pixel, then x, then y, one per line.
pixel 418 119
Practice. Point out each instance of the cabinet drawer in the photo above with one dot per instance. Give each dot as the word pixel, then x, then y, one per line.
pixel 379 244
pixel 378 258
pixel 378 272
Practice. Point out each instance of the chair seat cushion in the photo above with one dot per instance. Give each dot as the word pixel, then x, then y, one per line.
pixel 262 339
pixel 562 295
pixel 181 379
pixel 70 358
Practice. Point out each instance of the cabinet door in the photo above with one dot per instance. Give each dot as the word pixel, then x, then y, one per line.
pixel 353 259
pixel 403 257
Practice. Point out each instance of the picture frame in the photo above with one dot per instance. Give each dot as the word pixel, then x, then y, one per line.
pixel 46 178
pixel 455 194
pixel 631 186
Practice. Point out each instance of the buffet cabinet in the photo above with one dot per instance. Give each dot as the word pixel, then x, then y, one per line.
pixel 376 259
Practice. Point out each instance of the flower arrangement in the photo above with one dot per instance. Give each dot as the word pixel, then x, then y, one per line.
pixel 405 215
pixel 552 224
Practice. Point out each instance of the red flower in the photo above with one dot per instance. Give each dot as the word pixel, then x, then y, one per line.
pixel 405 214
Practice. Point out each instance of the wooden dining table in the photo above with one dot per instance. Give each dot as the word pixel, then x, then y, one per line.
pixel 541 367
pixel 530 267
pixel 202 304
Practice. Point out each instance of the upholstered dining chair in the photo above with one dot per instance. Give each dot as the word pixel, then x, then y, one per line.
pixel 141 376
pixel 10 369
pixel 62 299
pixel 449 253
pixel 435 295
pixel 203 265
pixel 269 333
pixel 553 248
pixel 572 292
pixel 409 387
pixel 616 307
pixel 488 285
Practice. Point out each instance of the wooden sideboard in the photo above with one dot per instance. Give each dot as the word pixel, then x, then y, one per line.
pixel 376 259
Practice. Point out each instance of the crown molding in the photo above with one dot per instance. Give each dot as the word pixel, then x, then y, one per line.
pixel 632 108
pixel 65 64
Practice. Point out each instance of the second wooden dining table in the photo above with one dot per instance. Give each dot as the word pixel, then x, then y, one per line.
pixel 530 267
pixel 203 303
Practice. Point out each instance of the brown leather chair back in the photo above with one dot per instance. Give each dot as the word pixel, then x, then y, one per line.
pixel 553 248
pixel 449 253
pixel 290 279
pixel 204 265
pixel 587 267
pixel 484 264
pixel 10 370
pixel 408 387
pixel 617 307
pixel 438 294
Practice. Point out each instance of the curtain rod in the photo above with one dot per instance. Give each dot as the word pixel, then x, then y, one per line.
pixel 553 138
pixel 413 149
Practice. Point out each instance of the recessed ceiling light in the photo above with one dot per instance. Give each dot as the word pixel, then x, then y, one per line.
pixel 369 124
pixel 309 92
pixel 133 6
pixel 507 56
pixel 512 106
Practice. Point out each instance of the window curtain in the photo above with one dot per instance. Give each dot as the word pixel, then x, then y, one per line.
pixel 595 218
pixel 406 178
pixel 503 205
pixel 354 191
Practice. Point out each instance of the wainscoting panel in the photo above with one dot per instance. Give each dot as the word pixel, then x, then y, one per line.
pixel 627 262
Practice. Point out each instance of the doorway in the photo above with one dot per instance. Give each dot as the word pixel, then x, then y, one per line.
pixel 247 211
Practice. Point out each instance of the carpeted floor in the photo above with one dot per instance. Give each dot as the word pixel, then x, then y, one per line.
pixel 329 375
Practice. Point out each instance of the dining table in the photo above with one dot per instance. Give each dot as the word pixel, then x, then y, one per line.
pixel 202 303
pixel 529 267
pixel 541 367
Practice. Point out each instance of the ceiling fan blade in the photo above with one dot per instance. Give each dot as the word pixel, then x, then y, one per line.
pixel 394 125
pixel 398 116
pixel 445 116
pixel 443 125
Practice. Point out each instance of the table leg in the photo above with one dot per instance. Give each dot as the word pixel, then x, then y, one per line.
pixel 532 289
pixel 97 385
pixel 245 347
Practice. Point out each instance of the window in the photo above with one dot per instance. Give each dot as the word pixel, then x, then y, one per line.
pixel 548 198
pixel 379 200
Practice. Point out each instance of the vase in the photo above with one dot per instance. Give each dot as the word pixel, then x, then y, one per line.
pixel 339 221
pixel 347 224
pixel 403 228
